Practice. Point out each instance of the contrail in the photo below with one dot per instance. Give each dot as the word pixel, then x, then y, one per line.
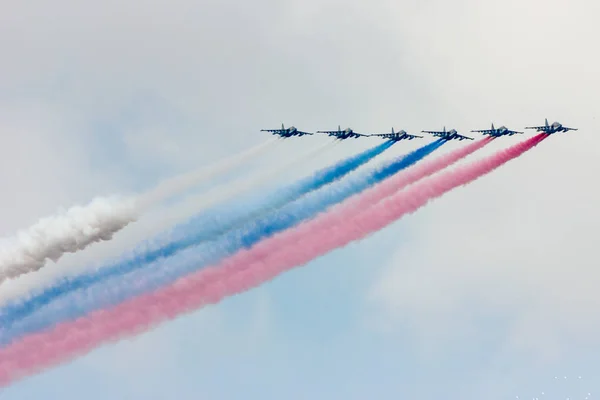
pixel 76 228
pixel 216 240
pixel 246 269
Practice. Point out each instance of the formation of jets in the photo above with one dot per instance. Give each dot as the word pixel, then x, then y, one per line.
pixel 451 134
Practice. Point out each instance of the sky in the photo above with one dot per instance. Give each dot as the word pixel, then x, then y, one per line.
pixel 488 292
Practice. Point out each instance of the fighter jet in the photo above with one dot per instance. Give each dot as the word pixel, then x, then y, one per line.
pixel 497 132
pixel 397 136
pixel 549 129
pixel 448 135
pixel 286 132
pixel 343 134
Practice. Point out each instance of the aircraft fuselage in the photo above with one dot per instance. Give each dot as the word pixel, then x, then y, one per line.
pixel 293 131
pixel 345 134
pixel 399 135
pixel 556 127
pixel 452 134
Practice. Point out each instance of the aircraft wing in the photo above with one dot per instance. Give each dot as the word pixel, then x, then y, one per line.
pixel 393 135
pixel 485 131
pixel 304 133
pixel 461 137
pixel 542 128
pixel 383 135
pixel 569 129
pixel 437 133
pixel 341 133
pixel 273 130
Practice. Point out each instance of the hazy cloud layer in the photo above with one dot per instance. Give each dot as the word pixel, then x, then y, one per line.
pixel 111 97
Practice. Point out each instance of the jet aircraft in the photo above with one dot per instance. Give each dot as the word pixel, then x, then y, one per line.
pixel 343 134
pixel 497 132
pixel 396 136
pixel 448 135
pixel 549 129
pixel 286 132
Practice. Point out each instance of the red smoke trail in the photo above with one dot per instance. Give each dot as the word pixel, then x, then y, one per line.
pixel 242 271
pixel 402 179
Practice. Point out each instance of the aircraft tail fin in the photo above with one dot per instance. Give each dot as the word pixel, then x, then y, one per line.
pixel 546 120
pixel 393 130
pixel 492 126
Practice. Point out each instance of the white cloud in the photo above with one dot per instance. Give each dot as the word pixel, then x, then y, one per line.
pixel 112 96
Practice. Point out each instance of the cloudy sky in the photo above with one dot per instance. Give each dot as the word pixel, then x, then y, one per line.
pixel 488 292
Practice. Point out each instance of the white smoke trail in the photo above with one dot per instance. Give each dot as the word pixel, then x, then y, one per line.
pixel 75 229
pixel 225 192
pixel 245 184
pixel 67 232
pixel 190 179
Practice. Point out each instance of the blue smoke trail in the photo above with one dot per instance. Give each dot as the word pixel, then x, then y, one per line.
pixel 77 303
pixel 191 233
pixel 218 224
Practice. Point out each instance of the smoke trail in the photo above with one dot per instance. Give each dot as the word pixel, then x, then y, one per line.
pixel 238 187
pixel 223 243
pixel 215 224
pixel 220 197
pixel 78 227
pixel 223 217
pixel 67 232
pixel 185 181
pixel 410 176
pixel 321 178
pixel 240 272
